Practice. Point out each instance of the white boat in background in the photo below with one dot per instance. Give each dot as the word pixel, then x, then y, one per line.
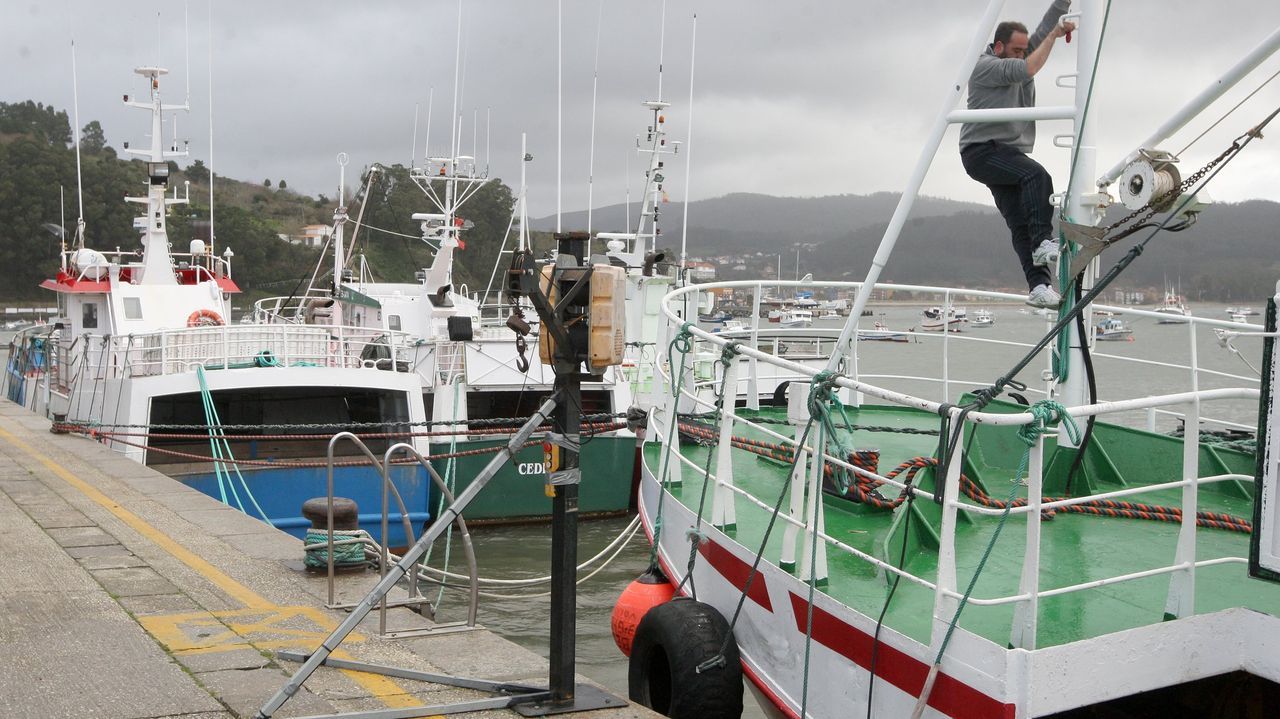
pixel 982 318
pixel 828 315
pixel 881 333
pixel 1173 309
pixel 936 319
pixel 1245 311
pixel 142 340
pixel 732 325
pixel 1112 330
pixel 796 318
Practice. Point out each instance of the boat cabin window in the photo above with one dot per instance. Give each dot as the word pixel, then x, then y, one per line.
pixel 132 308
pixel 89 315
pixel 393 322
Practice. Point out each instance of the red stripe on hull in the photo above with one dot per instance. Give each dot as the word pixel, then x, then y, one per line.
pixel 949 696
pixel 736 571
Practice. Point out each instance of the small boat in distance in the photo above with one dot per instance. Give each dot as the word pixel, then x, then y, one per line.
pixel 796 318
pixel 938 320
pixel 881 333
pixel 1112 330
pixel 983 318
pixel 1173 308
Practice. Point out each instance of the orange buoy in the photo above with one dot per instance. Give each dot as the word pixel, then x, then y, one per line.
pixel 644 593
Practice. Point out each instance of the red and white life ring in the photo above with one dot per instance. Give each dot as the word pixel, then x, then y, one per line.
pixel 204 318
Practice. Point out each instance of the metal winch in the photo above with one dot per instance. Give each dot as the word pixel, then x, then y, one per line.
pixel 1153 176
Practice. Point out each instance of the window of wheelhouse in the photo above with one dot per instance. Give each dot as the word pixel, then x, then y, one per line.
pixel 89 315
pixel 393 322
pixel 132 308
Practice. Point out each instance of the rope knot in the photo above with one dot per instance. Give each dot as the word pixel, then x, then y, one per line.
pixel 1047 412
pixel 728 352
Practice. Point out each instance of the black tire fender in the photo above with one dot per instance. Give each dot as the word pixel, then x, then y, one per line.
pixel 671 641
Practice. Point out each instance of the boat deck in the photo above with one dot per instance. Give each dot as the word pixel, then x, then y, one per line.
pixel 1076 548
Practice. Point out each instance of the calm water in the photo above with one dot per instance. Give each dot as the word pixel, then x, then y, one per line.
pixel 519 552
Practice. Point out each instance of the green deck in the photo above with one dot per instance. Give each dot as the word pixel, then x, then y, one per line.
pixel 1075 548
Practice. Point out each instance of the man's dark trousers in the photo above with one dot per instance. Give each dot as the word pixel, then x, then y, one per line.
pixel 1021 188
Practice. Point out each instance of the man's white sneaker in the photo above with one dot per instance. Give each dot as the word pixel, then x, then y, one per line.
pixel 1044 254
pixel 1044 296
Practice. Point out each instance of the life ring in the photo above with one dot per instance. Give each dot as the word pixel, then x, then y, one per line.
pixel 671 642
pixel 204 318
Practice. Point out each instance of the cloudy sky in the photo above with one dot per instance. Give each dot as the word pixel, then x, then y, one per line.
pixel 796 98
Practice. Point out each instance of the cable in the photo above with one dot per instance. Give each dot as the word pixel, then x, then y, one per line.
pixel 1087 356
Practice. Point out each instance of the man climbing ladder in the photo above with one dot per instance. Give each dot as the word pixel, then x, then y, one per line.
pixel 996 153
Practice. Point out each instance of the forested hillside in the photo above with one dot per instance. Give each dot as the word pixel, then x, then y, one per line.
pixel 37 158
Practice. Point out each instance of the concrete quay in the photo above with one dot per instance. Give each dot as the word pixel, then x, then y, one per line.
pixel 126 595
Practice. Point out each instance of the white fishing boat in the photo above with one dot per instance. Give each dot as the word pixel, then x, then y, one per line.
pixel 1172 309
pixel 1112 330
pixel 141 357
pixel 982 318
pixel 942 319
pixel 869 548
pixel 475 375
pixel 791 319
pixel 880 332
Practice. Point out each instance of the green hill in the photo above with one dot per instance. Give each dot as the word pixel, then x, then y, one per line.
pixel 37 158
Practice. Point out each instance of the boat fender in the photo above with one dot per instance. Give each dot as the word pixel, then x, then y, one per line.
pixel 204 318
pixel 671 643
pixel 780 394
pixel 642 594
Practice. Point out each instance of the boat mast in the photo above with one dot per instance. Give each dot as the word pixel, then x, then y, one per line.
pixel 157 264
pixel 1084 203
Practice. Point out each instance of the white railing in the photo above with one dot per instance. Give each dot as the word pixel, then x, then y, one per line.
pixel 177 351
pixel 1179 599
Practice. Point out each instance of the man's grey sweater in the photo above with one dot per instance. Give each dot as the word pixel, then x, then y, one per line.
pixel 1004 82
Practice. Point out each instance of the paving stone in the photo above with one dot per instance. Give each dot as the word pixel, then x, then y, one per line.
pixel 98 550
pixel 152 604
pixel 111 561
pixel 60 518
pixel 245 691
pixel 242 658
pixel 133 582
pixel 81 537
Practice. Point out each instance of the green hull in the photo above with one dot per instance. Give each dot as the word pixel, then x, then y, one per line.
pixel 517 493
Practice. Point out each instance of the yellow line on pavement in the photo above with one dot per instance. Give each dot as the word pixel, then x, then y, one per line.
pixel 384 689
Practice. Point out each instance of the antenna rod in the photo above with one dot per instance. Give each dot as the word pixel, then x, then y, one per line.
pixel 62 236
pixel 488 119
pixel 475 139
pixel 186 36
pixel 212 174
pixel 75 99
pixel 684 231
pixel 626 179
pixel 426 145
pixel 559 100
pixel 591 160
pixel 453 116
pixel 413 152
pixel 662 40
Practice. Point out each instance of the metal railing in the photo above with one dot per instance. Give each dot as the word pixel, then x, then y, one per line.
pixel 177 351
pixel 1179 599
